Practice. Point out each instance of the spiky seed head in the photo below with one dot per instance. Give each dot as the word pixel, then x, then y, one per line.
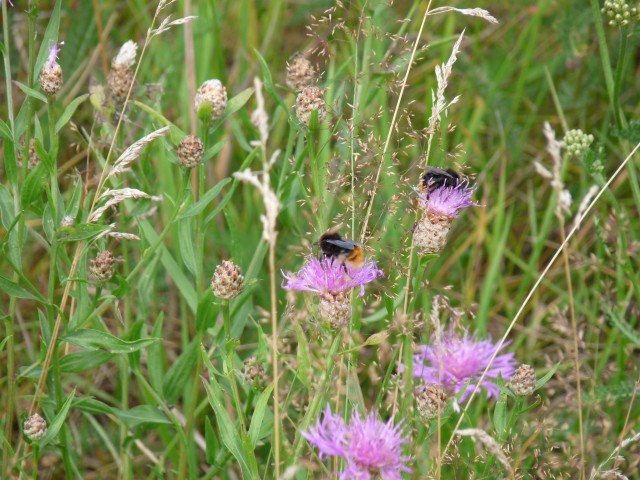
pixel 212 92
pixel 227 280
pixel 254 372
pixel 523 382
pixel 51 74
pixel 335 308
pixel 190 151
pixel 430 234
pixel 300 73
pixel 35 427
pixel 310 99
pixel 103 266
pixel 431 400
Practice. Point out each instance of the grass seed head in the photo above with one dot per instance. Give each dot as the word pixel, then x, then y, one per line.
pixel 213 93
pixel 523 382
pixel 300 74
pixel 308 100
pixel 227 280
pixel 51 74
pixel 103 266
pixel 190 151
pixel 35 427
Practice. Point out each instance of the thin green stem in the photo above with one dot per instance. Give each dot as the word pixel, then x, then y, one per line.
pixel 230 370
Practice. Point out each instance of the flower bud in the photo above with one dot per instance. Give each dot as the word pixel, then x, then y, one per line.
pixel 308 100
pixel 431 400
pixel 523 382
pixel 35 427
pixel 190 151
pixel 576 142
pixel 103 266
pixel 51 74
pixel 121 74
pixel 212 92
pixel 254 373
pixel 335 308
pixel 227 280
pixel 300 73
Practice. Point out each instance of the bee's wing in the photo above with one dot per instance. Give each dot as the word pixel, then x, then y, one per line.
pixel 346 244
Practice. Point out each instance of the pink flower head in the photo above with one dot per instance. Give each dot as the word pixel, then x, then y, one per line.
pixel 447 200
pixel 458 360
pixel 330 276
pixel 54 50
pixel 371 448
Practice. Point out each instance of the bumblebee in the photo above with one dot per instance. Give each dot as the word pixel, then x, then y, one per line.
pixel 434 178
pixel 347 252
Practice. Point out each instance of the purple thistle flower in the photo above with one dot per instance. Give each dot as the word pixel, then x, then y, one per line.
pixel 330 276
pixel 371 448
pixel 457 360
pixel 447 200
pixel 54 50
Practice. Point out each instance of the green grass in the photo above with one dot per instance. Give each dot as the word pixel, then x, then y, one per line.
pixel 141 377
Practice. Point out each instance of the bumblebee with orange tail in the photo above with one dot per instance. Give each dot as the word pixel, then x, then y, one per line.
pixel 347 252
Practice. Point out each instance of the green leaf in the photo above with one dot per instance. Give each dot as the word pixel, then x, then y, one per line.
pixel 15 290
pixel 179 373
pixel 44 157
pixel 93 406
pixel 10 164
pixel 142 414
pixel 69 111
pixel 211 442
pixel 31 92
pixel 58 421
pixel 541 381
pixel 32 188
pixel 500 415
pixel 304 359
pixel 211 152
pixel 155 367
pixel 81 361
pixel 83 231
pixel 50 36
pixel 237 102
pixel 228 433
pixel 205 200
pixel 207 312
pixel 96 339
pixel 187 243
pixel 5 131
pixel 258 415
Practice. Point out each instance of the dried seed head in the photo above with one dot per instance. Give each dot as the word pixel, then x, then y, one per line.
pixel 308 100
pixel 190 151
pixel 51 74
pixel 300 73
pixel 430 234
pixel 227 280
pixel 212 92
pixel 126 55
pixel 335 308
pixel 35 427
pixel 254 373
pixel 523 382
pixel 103 266
pixel 431 400
pixel 121 74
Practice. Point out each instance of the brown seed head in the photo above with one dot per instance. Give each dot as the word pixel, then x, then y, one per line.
pixel 51 78
pixel 431 400
pixel 103 266
pixel 119 83
pixel 308 100
pixel 190 151
pixel 227 280
pixel 430 234
pixel 523 382
pixel 35 427
pixel 214 93
pixel 300 74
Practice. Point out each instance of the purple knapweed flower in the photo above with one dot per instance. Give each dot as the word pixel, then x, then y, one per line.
pixel 54 50
pixel 447 201
pixel 51 74
pixel 457 360
pixel 371 448
pixel 330 276
pixel 332 281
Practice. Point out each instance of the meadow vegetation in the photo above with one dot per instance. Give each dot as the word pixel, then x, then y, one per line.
pixel 169 310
